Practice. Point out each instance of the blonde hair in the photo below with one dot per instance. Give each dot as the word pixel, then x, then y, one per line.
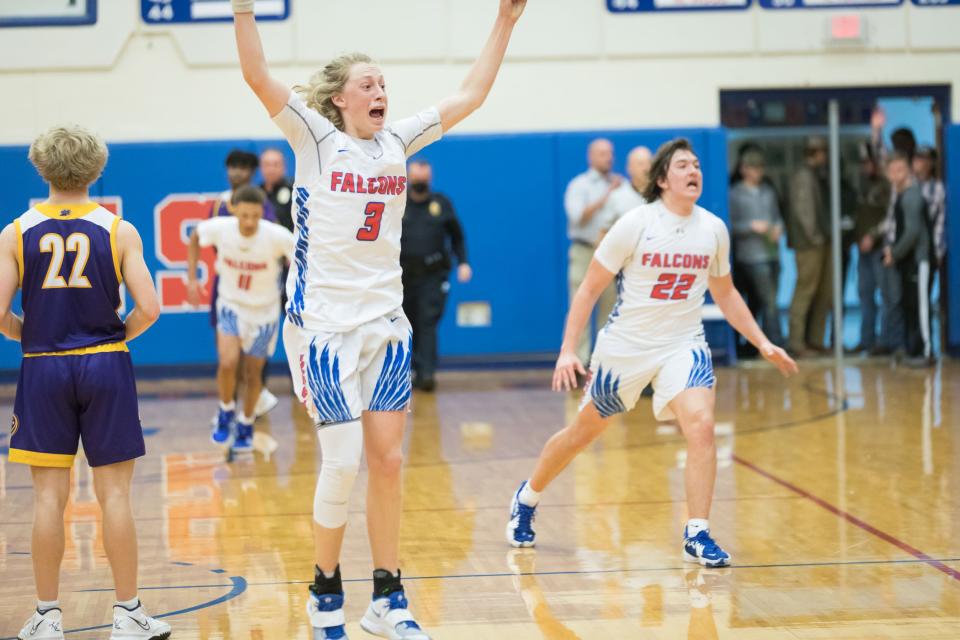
pixel 328 82
pixel 70 158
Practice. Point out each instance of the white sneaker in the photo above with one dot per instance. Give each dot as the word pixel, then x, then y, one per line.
pixel 48 626
pixel 389 618
pixel 326 616
pixel 137 625
pixel 265 403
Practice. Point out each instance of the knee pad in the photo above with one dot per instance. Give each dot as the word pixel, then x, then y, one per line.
pixel 342 446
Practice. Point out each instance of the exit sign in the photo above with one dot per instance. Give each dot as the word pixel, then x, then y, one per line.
pixel 846 28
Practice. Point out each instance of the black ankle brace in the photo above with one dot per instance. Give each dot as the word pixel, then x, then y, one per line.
pixel 385 583
pixel 323 585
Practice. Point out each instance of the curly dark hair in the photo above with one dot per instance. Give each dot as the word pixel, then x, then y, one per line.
pixel 661 165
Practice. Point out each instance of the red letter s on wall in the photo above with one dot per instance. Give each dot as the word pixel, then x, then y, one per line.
pixel 174 218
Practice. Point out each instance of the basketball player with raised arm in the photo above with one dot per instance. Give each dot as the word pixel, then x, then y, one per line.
pixel 665 256
pixel 248 268
pixel 346 337
pixel 69 256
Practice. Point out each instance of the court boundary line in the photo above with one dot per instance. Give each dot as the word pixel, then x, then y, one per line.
pixel 852 519
pixel 239 587
pixel 808 386
pixel 689 566
pixel 492 507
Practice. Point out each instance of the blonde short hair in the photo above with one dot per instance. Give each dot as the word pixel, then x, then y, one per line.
pixel 69 157
pixel 318 93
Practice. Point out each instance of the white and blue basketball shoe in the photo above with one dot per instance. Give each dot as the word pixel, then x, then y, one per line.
pixel 243 440
pixel 702 549
pixel 520 531
pixel 389 617
pixel 326 616
pixel 43 626
pixel 222 427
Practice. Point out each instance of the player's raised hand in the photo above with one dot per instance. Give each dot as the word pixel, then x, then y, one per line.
pixel 779 358
pixel 565 373
pixel 512 9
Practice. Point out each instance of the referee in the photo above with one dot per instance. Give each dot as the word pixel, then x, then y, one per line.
pixel 431 231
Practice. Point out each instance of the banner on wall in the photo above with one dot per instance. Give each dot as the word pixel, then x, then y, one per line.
pixel 47 13
pixel 829 4
pixel 650 6
pixel 195 11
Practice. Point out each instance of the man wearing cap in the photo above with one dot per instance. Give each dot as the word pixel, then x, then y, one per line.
pixel 756 228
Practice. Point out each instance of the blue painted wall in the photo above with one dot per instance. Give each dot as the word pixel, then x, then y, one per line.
pixel 507 189
pixel 952 173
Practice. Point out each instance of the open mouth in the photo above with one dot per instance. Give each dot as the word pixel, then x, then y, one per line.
pixel 693 183
pixel 378 113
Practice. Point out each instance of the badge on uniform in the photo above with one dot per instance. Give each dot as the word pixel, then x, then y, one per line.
pixel 14 425
pixel 435 208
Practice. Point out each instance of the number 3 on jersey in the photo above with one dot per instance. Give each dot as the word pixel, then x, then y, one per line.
pixel 672 286
pixel 370 231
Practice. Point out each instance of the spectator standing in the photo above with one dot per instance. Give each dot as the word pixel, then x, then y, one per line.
pixel 277 185
pixel 584 201
pixel 908 251
pixel 757 226
pixel 431 230
pixel 872 202
pixel 925 169
pixel 624 198
pixel 241 165
pixel 809 236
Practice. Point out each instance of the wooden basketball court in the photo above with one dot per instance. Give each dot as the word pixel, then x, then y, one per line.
pixel 838 497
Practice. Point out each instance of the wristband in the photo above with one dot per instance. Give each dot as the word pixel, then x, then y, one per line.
pixel 242 6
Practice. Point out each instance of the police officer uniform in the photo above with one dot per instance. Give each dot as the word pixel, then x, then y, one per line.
pixel 281 197
pixel 431 231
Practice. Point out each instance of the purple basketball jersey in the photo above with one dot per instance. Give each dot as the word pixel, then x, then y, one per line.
pixel 70 277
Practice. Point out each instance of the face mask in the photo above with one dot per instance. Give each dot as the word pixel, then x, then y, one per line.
pixel 419 188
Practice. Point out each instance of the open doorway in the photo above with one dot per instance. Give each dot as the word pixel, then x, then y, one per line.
pixel 780 125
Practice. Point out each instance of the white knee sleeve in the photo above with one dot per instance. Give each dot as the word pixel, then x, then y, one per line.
pixel 341 446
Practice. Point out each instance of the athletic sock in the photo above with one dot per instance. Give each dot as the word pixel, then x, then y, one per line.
pixel 696 525
pixel 324 584
pixel 46 605
pixel 228 406
pixel 528 496
pixel 244 419
pixel 129 605
pixel 385 583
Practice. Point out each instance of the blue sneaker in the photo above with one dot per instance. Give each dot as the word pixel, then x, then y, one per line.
pixel 243 441
pixel 520 531
pixel 223 427
pixel 702 549
pixel 390 618
pixel 326 616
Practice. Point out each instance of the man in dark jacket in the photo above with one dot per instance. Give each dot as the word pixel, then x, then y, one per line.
pixel 908 249
pixel 871 209
pixel 430 231
pixel 808 233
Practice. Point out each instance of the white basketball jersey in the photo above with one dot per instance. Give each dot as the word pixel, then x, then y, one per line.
pixel 249 267
pixel 663 262
pixel 349 199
